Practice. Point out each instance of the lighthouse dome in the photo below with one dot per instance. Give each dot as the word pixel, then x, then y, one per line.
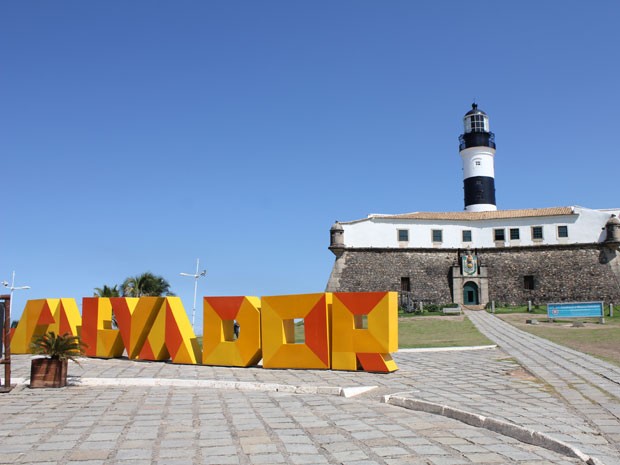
pixel 475 111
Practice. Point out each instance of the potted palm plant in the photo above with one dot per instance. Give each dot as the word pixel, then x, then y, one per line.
pixel 51 371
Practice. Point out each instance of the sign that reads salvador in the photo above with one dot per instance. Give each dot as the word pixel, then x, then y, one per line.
pixel 342 331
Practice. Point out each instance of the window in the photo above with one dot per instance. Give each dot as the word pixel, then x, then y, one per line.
pixel 499 234
pixel 562 231
pixel 537 233
pixel 437 235
pixel 405 284
pixel 477 162
pixel 477 123
pixel 467 235
pixel 528 282
pixel 514 234
pixel 403 235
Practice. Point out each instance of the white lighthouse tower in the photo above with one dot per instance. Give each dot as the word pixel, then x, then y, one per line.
pixel 477 147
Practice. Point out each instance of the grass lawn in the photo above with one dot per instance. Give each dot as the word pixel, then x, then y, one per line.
pixel 431 331
pixel 523 309
pixel 438 331
pixel 600 340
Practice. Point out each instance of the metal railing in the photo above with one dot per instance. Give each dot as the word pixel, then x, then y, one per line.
pixel 476 139
pixel 408 304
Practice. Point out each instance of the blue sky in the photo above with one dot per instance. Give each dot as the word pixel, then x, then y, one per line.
pixel 138 136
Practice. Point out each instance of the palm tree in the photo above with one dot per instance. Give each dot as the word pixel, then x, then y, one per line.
pixel 107 291
pixel 59 347
pixel 146 284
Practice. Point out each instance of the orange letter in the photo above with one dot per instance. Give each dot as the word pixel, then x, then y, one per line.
pixel 278 315
pixel 352 342
pixel 219 346
pixel 97 333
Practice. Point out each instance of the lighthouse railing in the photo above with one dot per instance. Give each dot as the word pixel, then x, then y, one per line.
pixel 476 139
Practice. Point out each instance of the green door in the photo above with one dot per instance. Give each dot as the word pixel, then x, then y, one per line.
pixel 470 294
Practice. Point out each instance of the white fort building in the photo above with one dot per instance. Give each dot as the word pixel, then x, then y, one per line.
pixel 481 254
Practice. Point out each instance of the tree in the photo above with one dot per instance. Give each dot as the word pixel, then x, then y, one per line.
pixel 60 347
pixel 107 291
pixel 146 284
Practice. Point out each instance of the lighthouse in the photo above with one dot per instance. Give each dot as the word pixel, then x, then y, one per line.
pixel 477 148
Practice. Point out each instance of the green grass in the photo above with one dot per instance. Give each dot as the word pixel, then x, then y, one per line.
pixel 599 340
pixel 439 332
pixel 520 309
pixel 418 314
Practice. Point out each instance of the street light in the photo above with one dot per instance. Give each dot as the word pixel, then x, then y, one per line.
pixel 196 277
pixel 12 287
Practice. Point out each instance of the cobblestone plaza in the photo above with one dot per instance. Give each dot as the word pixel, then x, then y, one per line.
pixel 128 412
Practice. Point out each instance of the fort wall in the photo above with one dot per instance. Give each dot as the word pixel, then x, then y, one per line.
pixel 560 273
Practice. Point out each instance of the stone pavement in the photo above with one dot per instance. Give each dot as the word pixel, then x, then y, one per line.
pixel 128 413
pixel 588 386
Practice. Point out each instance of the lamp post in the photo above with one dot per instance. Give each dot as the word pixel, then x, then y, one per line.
pixel 6 354
pixel 196 277
pixel 12 287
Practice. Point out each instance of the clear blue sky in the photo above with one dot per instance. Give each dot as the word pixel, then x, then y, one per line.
pixel 138 136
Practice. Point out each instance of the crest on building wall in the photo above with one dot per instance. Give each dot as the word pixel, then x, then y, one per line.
pixel 469 264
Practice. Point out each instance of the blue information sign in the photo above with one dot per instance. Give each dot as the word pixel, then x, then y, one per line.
pixel 575 310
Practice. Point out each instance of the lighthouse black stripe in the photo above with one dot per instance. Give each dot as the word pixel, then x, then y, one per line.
pixel 479 190
pixel 476 139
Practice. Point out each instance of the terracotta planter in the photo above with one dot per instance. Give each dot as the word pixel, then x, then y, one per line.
pixel 48 372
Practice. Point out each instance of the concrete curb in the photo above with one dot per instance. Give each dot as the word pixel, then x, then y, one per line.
pixel 505 428
pixel 208 383
pixel 214 384
pixel 448 349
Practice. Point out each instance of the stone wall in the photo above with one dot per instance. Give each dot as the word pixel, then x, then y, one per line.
pixel 561 273
pixel 363 270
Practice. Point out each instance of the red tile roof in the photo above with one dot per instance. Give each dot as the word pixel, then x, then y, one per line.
pixel 472 216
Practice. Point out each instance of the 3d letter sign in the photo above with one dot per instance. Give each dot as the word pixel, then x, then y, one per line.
pixel 278 316
pixel 370 347
pixel 338 331
pixel 40 316
pixel 103 341
pixel 219 346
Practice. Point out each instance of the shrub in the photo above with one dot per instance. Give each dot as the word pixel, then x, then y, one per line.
pixel 62 347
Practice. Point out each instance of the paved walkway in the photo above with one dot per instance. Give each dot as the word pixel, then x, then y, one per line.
pixel 132 413
pixel 590 387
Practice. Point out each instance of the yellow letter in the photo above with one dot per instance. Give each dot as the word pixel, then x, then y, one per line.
pixel 278 315
pixel 370 346
pixel 219 346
